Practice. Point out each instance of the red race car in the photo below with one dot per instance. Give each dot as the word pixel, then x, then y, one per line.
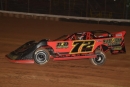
pixel 90 44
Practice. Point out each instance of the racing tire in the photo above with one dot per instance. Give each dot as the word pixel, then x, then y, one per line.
pixel 41 56
pixel 100 59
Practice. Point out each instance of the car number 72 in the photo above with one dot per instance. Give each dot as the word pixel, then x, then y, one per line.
pixel 82 46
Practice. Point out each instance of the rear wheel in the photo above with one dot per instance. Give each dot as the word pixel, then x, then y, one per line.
pixel 100 59
pixel 41 56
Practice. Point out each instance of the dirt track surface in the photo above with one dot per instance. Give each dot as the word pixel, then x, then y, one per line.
pixel 76 73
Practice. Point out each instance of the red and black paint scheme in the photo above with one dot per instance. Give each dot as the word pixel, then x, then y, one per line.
pixel 90 44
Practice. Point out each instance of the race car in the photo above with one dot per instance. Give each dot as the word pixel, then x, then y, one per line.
pixel 82 45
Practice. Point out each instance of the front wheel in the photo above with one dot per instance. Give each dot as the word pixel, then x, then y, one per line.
pixel 100 59
pixel 41 56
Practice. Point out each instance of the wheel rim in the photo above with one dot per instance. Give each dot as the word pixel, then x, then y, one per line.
pixel 99 59
pixel 41 57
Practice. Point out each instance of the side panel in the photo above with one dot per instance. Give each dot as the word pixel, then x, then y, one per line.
pixel 75 47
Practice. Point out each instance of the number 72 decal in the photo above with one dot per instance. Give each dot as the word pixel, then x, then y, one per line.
pixel 82 46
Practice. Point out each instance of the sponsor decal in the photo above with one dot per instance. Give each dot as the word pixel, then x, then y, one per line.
pixel 113 41
pixel 117 35
pixel 61 45
pixel 117 48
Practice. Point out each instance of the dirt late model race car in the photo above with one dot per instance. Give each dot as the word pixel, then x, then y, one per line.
pixel 90 44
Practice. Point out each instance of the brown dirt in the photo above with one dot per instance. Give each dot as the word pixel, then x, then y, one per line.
pixel 76 73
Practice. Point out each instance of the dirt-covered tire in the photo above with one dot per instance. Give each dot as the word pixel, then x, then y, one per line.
pixel 100 59
pixel 41 56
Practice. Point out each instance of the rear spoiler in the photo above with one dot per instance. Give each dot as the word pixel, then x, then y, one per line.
pixel 119 34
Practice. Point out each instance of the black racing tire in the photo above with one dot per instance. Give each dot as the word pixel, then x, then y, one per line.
pixel 100 59
pixel 41 56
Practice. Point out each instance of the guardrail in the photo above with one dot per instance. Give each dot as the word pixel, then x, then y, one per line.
pixel 57 17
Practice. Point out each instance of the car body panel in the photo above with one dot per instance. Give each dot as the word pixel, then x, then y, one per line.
pixel 74 46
